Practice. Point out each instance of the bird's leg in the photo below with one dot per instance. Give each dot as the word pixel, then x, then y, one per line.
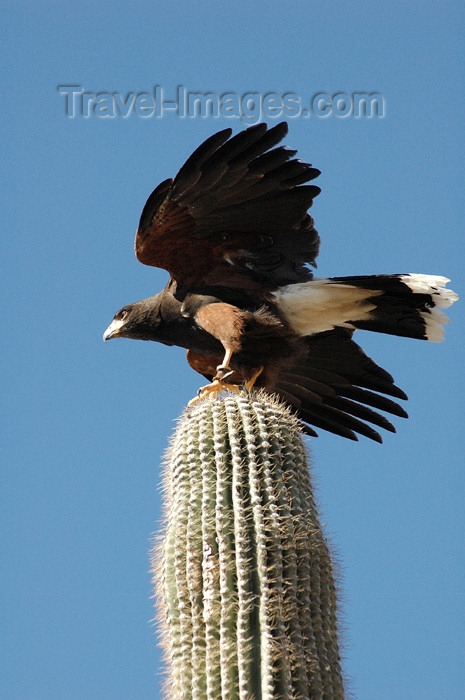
pixel 248 385
pixel 218 384
pixel 224 371
pixel 213 390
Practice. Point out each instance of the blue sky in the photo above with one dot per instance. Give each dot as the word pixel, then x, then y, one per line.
pixel 86 424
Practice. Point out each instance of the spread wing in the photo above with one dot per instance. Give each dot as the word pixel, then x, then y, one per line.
pixel 235 214
pixel 335 386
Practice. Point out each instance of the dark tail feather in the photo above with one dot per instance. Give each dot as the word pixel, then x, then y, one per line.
pixel 409 305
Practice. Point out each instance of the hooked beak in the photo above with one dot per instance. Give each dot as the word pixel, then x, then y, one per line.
pixel 112 330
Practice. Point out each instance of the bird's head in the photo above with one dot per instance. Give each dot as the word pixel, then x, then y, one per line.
pixel 140 320
pixel 161 318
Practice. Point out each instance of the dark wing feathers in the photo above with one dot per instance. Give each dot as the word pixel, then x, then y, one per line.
pixel 235 209
pixel 382 403
pixel 191 171
pixel 362 412
pixel 341 423
pixel 236 215
pixel 325 395
pixel 334 386
pixel 153 203
pixel 271 160
pixel 249 144
pixel 335 351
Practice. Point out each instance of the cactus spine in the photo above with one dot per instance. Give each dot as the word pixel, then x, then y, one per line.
pixel 245 582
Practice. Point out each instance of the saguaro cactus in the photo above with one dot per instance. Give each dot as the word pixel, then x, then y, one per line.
pixel 245 583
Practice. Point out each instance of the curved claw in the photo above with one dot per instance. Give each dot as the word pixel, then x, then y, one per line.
pixel 212 390
pixel 218 385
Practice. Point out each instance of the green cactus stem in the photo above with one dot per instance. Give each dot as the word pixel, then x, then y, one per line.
pixel 245 585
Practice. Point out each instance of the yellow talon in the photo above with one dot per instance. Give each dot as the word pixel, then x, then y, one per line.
pixel 211 391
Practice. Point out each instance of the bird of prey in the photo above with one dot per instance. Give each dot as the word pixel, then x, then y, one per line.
pixel 233 230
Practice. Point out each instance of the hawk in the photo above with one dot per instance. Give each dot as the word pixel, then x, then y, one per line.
pixel 233 230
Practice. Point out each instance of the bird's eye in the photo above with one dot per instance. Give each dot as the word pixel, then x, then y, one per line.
pixel 123 314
